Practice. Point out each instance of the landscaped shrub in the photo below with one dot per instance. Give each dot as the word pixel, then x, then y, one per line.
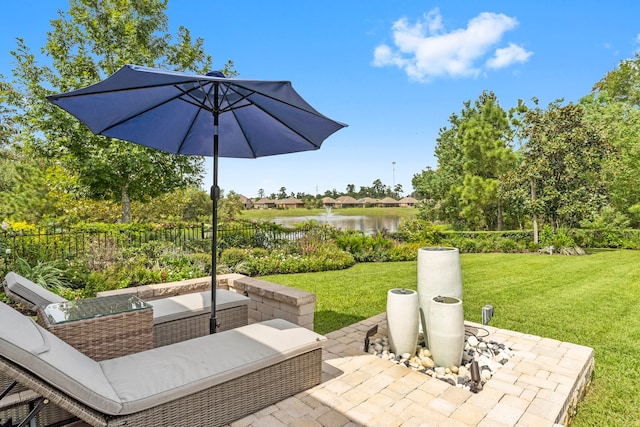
pixel 111 279
pixel 420 230
pixel 278 262
pixel 202 261
pixel 142 275
pixel 508 246
pixel 365 248
pixel 533 247
pixel 606 238
pixel 47 274
pixel 545 236
pixel 405 252
pixel 233 256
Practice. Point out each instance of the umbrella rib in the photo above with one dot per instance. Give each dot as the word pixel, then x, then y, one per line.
pixel 123 89
pixel 201 105
pixel 253 92
pixel 195 118
pixel 304 138
pixel 133 116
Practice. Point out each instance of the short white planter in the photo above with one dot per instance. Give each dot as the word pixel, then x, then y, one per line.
pixel 445 329
pixel 402 320
pixel 439 273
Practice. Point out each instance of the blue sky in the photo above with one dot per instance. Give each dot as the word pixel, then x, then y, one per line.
pixel 393 71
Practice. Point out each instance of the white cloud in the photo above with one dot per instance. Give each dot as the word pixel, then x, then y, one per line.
pixel 425 50
pixel 507 56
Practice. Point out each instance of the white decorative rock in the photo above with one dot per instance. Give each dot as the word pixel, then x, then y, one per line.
pixel 472 341
pixel 427 362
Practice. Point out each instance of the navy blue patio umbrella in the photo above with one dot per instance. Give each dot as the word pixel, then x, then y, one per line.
pixel 201 115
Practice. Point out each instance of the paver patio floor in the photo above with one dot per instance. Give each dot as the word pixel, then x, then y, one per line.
pixel 538 387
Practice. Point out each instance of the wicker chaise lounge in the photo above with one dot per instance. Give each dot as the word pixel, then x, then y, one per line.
pixel 207 381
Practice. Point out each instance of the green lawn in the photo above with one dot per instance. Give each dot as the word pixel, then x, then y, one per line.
pixel 266 214
pixel 592 300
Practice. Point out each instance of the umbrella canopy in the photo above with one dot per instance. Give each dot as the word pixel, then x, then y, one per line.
pixel 202 115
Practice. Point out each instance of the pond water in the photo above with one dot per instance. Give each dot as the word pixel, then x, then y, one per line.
pixel 367 224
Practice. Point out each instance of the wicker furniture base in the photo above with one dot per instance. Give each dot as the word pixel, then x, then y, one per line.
pixel 198 325
pixel 16 406
pixel 106 337
pixel 216 406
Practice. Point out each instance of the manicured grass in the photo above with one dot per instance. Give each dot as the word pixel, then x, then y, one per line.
pixel 266 214
pixel 592 300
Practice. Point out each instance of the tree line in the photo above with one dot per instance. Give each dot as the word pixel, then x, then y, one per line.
pixel 377 190
pixel 564 165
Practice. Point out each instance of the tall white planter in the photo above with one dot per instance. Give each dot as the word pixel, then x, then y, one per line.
pixel 402 320
pixel 445 329
pixel 438 274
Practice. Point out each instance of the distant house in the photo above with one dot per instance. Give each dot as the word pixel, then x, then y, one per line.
pixel 329 202
pixel 347 202
pixel 264 203
pixel 368 202
pixel 388 202
pixel 246 202
pixel 289 203
pixel 407 202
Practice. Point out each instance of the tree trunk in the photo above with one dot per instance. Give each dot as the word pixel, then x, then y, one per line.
pixel 126 207
pixel 535 216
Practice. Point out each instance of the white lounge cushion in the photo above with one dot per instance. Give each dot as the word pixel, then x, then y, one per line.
pixel 29 291
pixel 47 356
pixel 149 378
pixel 143 380
pixel 193 304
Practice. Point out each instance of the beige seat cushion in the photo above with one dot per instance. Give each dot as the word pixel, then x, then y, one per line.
pixel 155 376
pixel 193 304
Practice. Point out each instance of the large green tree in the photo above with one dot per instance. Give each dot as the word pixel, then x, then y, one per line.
pixel 473 154
pixel 92 40
pixel 614 108
pixel 562 164
pixel 485 139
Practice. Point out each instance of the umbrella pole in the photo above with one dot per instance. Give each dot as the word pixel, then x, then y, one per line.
pixel 215 195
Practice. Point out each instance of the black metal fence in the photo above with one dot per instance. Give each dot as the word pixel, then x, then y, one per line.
pixel 49 244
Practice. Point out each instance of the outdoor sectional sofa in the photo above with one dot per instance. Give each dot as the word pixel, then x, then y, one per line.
pixel 207 381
